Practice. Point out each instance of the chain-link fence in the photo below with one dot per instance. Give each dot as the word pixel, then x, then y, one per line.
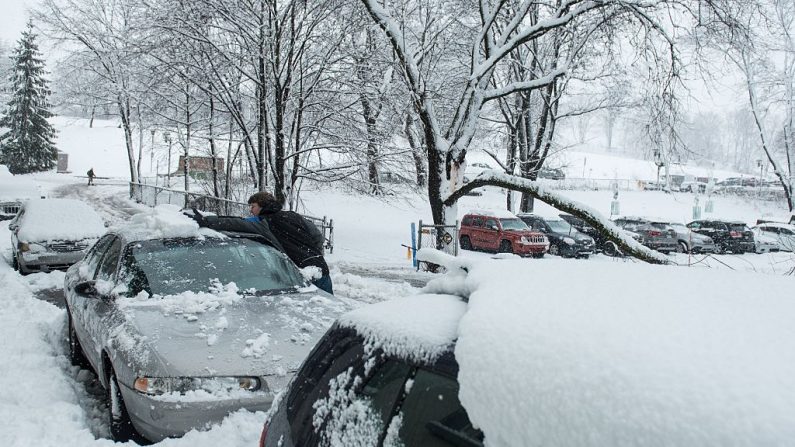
pixel 440 237
pixel 156 195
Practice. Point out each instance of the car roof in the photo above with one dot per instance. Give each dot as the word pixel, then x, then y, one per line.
pixel 75 219
pixel 161 222
pixel 418 328
pixel 496 213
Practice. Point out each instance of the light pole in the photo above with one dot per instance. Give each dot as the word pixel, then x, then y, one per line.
pixel 761 166
pixel 167 139
pixel 152 154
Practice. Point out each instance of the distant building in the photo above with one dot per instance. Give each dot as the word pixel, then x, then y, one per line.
pixel 63 163
pixel 200 166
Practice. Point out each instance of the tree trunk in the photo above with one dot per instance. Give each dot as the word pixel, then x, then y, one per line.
pixel 124 114
pixel 416 151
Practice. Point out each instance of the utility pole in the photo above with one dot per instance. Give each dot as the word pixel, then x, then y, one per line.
pixel 152 152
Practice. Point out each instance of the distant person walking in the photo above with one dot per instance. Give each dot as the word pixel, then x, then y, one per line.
pixel 90 175
pixel 302 241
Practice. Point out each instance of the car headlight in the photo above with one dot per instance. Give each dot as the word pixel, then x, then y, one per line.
pixel 568 240
pixel 23 246
pixel 163 385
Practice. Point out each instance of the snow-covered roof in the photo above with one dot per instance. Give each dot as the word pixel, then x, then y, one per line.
pixel 59 219
pixel 498 213
pixel 777 225
pixel 419 327
pixel 590 355
pixel 162 221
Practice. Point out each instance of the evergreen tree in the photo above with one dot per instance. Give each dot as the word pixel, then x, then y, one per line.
pixel 27 145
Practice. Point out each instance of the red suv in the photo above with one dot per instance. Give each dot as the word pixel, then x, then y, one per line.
pixel 501 232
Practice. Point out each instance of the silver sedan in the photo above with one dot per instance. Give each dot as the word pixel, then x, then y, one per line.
pixel 182 331
pixel 690 241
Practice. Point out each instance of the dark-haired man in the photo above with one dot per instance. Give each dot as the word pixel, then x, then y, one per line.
pixel 302 241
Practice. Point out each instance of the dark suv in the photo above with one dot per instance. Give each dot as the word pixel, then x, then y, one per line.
pixel 564 239
pixel 501 232
pixel 729 236
pixel 584 227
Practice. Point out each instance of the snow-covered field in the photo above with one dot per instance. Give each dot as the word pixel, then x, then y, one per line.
pixel 44 401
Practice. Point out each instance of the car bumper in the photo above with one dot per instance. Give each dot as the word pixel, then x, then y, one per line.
pixel 47 261
pixel 530 249
pixel 158 419
pixel 668 246
pixel 741 246
pixel 704 248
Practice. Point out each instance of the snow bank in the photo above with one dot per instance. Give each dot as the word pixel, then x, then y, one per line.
pixel 59 219
pixel 601 354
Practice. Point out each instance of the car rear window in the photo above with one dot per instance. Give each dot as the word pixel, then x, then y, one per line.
pixel 738 227
pixel 172 266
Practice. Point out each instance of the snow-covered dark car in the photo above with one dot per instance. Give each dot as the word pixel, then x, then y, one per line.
pixel 564 239
pixel 184 325
pixel 729 236
pixel 591 361
pixel 52 234
pixel 692 242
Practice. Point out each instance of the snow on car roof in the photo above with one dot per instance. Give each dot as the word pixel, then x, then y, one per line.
pixel 591 355
pixel 777 225
pixel 162 221
pixel 498 213
pixel 419 327
pixel 59 219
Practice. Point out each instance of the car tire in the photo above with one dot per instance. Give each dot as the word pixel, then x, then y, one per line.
pixel 465 243
pixel 121 428
pixel 538 255
pixel 611 249
pixel 76 355
pixel 682 247
pixel 505 247
pixel 14 262
pixel 554 250
pixel 585 256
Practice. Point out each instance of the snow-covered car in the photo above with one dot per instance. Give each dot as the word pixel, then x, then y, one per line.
pixel 690 241
pixel 693 186
pixel 13 191
pixel 184 325
pixel 783 235
pixel 52 234
pixel 564 239
pixel 656 234
pixel 588 362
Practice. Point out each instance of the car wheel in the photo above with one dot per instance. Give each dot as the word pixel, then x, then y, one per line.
pixel 505 247
pixel 611 249
pixel 465 243
pixel 585 256
pixel 121 428
pixel 15 262
pixel 538 255
pixel 554 250
pixel 76 355
pixel 682 247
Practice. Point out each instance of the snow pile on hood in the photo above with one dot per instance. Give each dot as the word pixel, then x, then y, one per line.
pixel 187 303
pixel 419 327
pixel 598 354
pixel 162 221
pixel 59 219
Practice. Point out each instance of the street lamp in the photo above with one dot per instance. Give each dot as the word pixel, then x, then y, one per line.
pixel 167 139
pixel 761 165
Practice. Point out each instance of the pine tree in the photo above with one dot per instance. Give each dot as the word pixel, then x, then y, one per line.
pixel 27 145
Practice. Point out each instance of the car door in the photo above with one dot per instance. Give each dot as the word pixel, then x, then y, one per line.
pixel 98 308
pixel 491 236
pixel 78 303
pixel 477 232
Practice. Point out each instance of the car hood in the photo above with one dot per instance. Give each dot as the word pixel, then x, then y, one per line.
pixel 251 335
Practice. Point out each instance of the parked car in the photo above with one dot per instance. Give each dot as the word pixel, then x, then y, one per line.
pixel 14 190
pixel 654 233
pixel 693 186
pixel 729 236
pixel 691 242
pixel 500 231
pixel 583 227
pixel 52 234
pixel 653 186
pixel 184 325
pixel 782 235
pixel 551 173
pixel 526 368
pixel 564 239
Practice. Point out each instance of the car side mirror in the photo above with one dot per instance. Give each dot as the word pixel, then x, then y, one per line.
pixel 493 227
pixel 13 226
pixel 87 289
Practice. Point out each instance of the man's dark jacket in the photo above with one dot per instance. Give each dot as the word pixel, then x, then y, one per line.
pixel 301 240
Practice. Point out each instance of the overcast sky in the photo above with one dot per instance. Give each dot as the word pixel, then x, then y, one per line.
pixel 13 18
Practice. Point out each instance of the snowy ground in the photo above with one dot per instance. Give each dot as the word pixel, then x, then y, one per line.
pixel 44 401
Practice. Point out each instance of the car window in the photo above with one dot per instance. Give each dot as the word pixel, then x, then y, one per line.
pixel 110 260
pixel 432 415
pixel 477 221
pixel 560 226
pixel 467 221
pixel 331 357
pixel 94 255
pixel 513 224
pixel 178 265
pixel 490 223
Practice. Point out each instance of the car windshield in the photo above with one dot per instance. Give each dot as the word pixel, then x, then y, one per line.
pixel 513 224
pixel 172 266
pixel 560 226
pixel 660 226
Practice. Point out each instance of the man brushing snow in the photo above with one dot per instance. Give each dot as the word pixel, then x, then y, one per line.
pixel 302 241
